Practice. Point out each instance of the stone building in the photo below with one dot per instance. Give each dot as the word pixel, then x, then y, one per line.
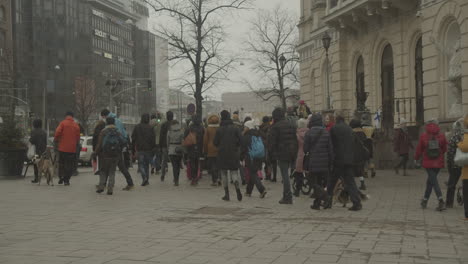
pixel 402 58
pixel 7 104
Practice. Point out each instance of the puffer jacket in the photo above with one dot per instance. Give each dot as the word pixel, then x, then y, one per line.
pixel 228 141
pixel 209 148
pixel 67 135
pixel 432 132
pixel 342 138
pixel 282 140
pixel 318 143
pixel 301 132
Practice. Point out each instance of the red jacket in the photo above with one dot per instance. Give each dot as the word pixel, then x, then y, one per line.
pixel 67 135
pixel 432 131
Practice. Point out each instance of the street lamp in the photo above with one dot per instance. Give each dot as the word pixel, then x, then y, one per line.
pixel 326 40
pixel 112 84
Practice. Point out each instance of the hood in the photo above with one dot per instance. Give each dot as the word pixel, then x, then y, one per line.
pixel 278 114
pixel 112 115
pixel 213 120
pixel 432 129
pixel 316 121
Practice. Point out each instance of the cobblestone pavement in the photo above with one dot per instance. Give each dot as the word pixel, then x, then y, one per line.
pixel 161 223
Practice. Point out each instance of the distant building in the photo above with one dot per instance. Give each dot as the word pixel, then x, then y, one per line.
pixel 178 102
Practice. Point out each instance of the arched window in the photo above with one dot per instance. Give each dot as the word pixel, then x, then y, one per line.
pixel 388 88
pixel 361 95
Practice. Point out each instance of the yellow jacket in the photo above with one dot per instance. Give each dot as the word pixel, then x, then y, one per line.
pixel 463 146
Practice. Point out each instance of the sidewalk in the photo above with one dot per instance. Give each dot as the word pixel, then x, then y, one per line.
pixel 161 223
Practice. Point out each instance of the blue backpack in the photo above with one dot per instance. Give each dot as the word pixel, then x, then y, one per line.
pixel 112 142
pixel 256 150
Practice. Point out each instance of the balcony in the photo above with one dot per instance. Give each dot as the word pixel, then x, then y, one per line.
pixel 355 14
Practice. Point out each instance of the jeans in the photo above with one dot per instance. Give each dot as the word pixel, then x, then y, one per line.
pixel 66 165
pixel 107 172
pixel 346 172
pixel 465 197
pixel 284 169
pixel 212 161
pixel 454 176
pixel 124 170
pixel 176 161
pixel 253 179
pixel 432 183
pixel 235 177
pixel 144 160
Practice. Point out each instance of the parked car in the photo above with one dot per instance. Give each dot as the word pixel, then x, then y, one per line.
pixel 86 150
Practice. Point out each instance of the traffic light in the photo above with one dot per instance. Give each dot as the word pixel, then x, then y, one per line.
pixel 150 86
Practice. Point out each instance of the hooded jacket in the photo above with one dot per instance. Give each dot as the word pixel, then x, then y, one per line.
pixel 67 135
pixel 143 136
pixel 317 142
pixel 282 140
pixel 228 141
pixel 432 132
pixel 402 143
pixel 208 140
pixel 119 125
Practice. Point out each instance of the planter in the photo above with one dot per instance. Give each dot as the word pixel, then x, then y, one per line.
pixel 12 161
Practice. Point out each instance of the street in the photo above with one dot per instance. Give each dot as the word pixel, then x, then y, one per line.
pixel 161 223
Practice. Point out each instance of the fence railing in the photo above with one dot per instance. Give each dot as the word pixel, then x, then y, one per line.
pixel 405 107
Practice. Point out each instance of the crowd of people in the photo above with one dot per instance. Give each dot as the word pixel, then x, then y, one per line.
pixel 323 148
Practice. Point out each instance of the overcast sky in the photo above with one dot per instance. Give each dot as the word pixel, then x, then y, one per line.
pixel 237 29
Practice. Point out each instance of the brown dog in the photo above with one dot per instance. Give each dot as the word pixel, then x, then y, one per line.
pixel 47 167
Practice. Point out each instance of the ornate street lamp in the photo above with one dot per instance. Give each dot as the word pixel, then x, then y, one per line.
pixel 326 40
pixel 282 60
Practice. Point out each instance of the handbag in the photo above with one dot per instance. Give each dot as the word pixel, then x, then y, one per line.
pixel 190 140
pixel 461 158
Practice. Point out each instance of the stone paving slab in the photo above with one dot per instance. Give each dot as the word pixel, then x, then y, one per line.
pixel 161 223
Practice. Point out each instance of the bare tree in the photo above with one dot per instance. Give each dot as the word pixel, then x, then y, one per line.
pixel 85 100
pixel 197 37
pixel 272 41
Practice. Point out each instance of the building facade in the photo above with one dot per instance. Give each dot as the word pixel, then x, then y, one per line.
pixel 400 59
pixel 7 102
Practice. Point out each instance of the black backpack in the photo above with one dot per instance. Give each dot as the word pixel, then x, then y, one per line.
pixel 433 148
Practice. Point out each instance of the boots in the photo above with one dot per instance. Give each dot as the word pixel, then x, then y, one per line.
pixel 99 188
pixel 315 205
pixel 226 194
pixel 363 186
pixel 239 195
pixel 441 206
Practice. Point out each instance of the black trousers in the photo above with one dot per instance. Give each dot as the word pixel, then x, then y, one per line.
pixel 254 167
pixel 124 170
pixel 465 197
pixel 454 176
pixel 176 161
pixel 346 172
pixel 213 169
pixel 66 165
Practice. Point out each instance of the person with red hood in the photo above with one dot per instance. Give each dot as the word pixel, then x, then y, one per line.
pixel 431 149
pixel 303 111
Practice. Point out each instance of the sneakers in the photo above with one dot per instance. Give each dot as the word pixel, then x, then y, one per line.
pixel 441 206
pixel 356 207
pixel 263 194
pixel 285 201
pixel 424 204
pixel 128 188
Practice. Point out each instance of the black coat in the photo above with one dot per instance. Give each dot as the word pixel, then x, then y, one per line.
pixel 39 139
pixel 228 141
pixel 282 141
pixel 163 136
pixel 143 138
pixel 361 147
pixel 195 151
pixel 318 143
pixel 343 147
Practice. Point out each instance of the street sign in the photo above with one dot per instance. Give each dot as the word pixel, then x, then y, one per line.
pixel 191 109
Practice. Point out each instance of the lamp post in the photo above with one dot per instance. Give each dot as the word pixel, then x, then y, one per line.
pixel 326 39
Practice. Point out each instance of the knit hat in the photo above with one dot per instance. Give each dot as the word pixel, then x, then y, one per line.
pixel 301 102
pixel 225 115
pixel 250 124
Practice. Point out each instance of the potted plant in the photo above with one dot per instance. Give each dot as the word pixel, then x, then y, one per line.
pixel 12 148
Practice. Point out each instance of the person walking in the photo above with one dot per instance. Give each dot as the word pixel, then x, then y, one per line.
pixel 361 151
pixel 175 136
pixel 264 130
pixel 210 150
pixel 123 168
pixel 39 140
pixel 155 123
pixel 193 141
pixel 343 149
pixel 431 149
pixel 401 146
pixel 454 170
pixel 144 146
pixel 318 148
pixel 299 166
pixel 228 141
pixel 252 153
pixel 163 143
pixel 67 135
pixel 282 143
pixel 109 150
pixel 463 146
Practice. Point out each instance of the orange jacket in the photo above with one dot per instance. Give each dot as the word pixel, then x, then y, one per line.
pixel 67 135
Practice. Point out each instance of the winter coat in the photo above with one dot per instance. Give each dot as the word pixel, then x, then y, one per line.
pixel 39 140
pixel 67 135
pixel 343 147
pixel 432 131
pixel 210 132
pixel 263 129
pixel 228 140
pixel 99 146
pixel 163 134
pixel 282 141
pixel 361 147
pixel 120 126
pixel 452 148
pixel 246 144
pixel 401 142
pixel 143 138
pixel 321 152
pixel 196 150
pixel 463 146
pixel 175 136
pixel 300 134
pixel 97 130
